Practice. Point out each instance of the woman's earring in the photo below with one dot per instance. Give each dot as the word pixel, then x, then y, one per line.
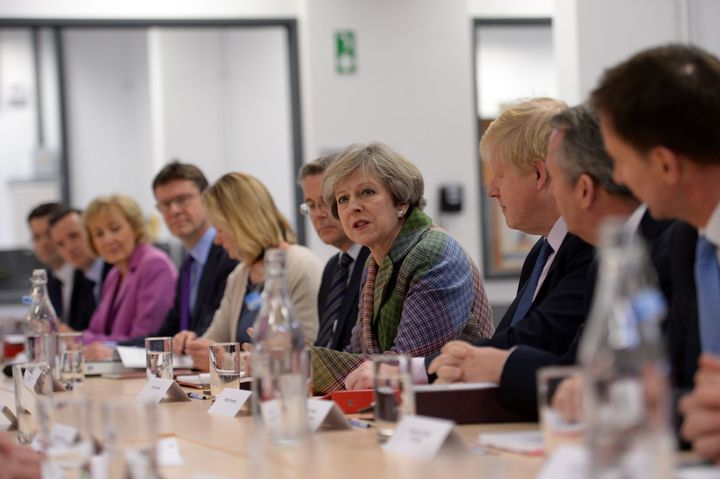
pixel 400 213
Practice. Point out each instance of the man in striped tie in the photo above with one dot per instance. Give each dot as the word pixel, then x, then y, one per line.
pixel 340 286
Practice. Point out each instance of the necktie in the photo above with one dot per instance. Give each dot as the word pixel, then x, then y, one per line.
pixel 707 280
pixel 528 293
pixel 334 302
pixel 185 295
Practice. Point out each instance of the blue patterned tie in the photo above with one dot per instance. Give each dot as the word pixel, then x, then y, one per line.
pixel 334 302
pixel 707 280
pixel 529 292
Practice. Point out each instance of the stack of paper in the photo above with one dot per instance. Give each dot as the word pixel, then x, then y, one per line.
pixel 522 442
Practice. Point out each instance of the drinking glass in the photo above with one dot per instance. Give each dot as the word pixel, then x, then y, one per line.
pixel 65 437
pixel 226 367
pixel 559 426
pixel 392 391
pixel 158 353
pixel 130 438
pixel 31 380
pixel 71 353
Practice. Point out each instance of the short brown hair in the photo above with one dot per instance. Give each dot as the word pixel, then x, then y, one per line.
pixel 242 204
pixel 669 96
pixel 45 209
pixel 127 206
pixel 399 175
pixel 180 171
pixel 522 132
pixel 316 167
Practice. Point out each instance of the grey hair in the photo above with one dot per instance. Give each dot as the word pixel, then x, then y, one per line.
pixel 398 174
pixel 582 150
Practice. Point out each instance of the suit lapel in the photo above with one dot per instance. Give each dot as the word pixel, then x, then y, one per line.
pixel 345 313
pixel 527 268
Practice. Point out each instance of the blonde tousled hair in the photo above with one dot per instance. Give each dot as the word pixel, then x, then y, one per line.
pixel 127 206
pixel 521 133
pixel 241 204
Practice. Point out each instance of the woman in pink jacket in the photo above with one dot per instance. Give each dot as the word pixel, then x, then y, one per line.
pixel 139 290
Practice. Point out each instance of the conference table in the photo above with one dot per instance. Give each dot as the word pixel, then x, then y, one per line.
pixel 222 447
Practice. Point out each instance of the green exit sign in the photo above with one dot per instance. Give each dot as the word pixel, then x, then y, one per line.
pixel 345 59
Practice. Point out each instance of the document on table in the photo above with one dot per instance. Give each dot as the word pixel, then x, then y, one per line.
pixel 134 357
pixel 522 442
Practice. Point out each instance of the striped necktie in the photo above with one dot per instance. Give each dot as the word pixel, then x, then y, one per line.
pixel 334 301
pixel 707 280
pixel 531 285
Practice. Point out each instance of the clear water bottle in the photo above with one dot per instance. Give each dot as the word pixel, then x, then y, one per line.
pixel 626 400
pixel 279 361
pixel 41 324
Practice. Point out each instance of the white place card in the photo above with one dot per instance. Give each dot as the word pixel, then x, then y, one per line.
pixel 31 376
pixel 325 414
pixel 422 437
pixel 63 434
pixel 229 402
pixel 271 414
pixel 168 452
pixel 567 462
pixel 132 356
pixel 156 389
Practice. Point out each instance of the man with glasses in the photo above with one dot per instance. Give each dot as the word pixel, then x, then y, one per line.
pixel 178 189
pixel 340 286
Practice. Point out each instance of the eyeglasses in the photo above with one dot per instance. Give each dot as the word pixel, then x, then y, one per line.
pixel 180 200
pixel 306 209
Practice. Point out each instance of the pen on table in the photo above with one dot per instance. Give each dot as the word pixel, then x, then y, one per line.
pixel 358 423
pixel 196 396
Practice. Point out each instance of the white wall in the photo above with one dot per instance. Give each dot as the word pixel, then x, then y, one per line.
pixel 88 9
pixel 108 104
pixel 412 90
pixel 510 8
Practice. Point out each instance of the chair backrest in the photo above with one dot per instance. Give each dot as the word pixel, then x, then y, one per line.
pixel 16 266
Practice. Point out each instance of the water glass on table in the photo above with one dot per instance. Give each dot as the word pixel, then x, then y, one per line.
pixel 158 353
pixel 392 392
pixel 227 366
pixel 32 381
pixel 65 437
pixel 71 354
pixel 560 423
pixel 130 437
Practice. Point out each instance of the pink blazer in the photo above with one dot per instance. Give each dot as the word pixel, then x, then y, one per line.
pixel 145 296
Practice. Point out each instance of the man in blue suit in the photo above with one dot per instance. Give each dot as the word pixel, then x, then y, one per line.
pixel 340 287
pixel 659 115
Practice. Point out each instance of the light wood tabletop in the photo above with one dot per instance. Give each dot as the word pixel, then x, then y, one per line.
pixel 237 447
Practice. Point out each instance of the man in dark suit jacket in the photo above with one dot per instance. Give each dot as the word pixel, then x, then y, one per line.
pixel 548 308
pixel 586 195
pixel 70 239
pixel 668 153
pixel 340 287
pixel 38 222
pixel 200 286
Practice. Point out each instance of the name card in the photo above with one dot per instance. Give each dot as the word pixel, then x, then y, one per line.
pixel 31 376
pixel 229 402
pixel 168 452
pixel 422 437
pixel 156 389
pixel 567 462
pixel 271 415
pixel 325 414
pixel 62 434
